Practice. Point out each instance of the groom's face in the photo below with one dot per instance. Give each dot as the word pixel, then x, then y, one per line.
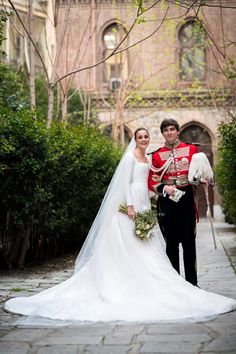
pixel 170 134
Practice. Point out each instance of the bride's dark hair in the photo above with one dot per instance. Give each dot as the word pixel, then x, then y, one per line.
pixel 137 130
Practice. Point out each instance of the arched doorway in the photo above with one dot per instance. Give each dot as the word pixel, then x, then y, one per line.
pixel 195 133
pixel 127 134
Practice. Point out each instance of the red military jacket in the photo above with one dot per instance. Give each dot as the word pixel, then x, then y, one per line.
pixel 170 165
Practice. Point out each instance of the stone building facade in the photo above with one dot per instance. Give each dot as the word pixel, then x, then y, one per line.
pixel 175 69
pixel 16 43
pixel 170 61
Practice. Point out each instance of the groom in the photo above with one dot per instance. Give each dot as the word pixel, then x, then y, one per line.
pixel 168 177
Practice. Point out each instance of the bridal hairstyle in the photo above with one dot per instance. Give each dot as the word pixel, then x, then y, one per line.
pixel 138 130
pixel 115 195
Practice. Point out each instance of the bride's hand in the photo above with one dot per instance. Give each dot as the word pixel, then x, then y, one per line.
pixel 131 212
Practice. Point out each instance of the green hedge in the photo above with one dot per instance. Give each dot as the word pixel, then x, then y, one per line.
pixel 14 93
pixel 52 182
pixel 226 168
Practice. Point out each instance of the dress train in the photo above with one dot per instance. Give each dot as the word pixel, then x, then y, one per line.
pixel 125 279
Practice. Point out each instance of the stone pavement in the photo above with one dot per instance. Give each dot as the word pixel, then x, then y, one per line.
pixel 216 270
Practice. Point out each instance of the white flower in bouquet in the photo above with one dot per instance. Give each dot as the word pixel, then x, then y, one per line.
pixel 143 222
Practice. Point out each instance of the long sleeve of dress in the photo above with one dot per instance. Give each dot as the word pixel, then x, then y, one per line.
pixel 129 162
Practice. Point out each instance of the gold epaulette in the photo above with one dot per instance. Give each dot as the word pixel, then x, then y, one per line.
pixel 187 142
pixel 150 153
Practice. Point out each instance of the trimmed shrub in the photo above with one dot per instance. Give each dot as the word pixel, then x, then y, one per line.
pixel 52 183
pixel 14 93
pixel 226 168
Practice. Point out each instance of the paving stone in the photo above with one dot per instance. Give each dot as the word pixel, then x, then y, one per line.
pixel 215 352
pixel 84 330
pixel 51 340
pixel 229 317
pixel 176 328
pixel 13 348
pixel 6 317
pixel 172 347
pixel 193 337
pixel 25 335
pixel 7 321
pixel 222 343
pixel 107 349
pixel 6 327
pixel 19 294
pixel 51 336
pixel 123 334
pixel 56 349
pixel 10 279
pixel 165 352
pixel 4 293
pixel 40 322
pixel 134 348
pixel 2 332
pixel 118 339
pixel 129 328
pixel 227 328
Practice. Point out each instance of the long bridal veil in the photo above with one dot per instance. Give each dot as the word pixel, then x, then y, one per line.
pixel 118 277
pixel 115 195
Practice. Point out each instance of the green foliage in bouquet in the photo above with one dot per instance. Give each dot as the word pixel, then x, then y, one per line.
pixel 143 222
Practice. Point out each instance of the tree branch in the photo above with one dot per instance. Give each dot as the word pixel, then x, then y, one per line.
pixel 31 39
pixel 173 2
pixel 116 51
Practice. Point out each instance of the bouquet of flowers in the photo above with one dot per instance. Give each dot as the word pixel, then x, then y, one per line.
pixel 144 222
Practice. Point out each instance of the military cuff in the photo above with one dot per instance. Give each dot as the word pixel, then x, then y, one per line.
pixel 160 188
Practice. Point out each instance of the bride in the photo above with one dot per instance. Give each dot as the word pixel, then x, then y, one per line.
pixel 117 276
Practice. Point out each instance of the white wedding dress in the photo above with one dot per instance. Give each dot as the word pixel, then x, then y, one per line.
pixel 122 278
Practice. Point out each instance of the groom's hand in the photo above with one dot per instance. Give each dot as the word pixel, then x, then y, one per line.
pixel 170 190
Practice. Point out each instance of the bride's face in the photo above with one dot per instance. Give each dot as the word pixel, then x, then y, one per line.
pixel 142 139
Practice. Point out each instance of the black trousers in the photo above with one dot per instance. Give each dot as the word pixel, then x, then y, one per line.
pixel 178 225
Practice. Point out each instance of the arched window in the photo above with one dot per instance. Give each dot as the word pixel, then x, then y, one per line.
pixel 192 51
pixel 115 68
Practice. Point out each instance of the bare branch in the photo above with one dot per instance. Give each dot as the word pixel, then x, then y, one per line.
pixel 210 36
pixel 62 35
pixel 191 6
pixel 116 51
pixel 205 4
pixel 31 40
pixel 150 7
pixel 199 7
pixel 147 37
pixel 218 63
pixel 219 6
pixel 222 30
pixel 87 43
pixel 230 43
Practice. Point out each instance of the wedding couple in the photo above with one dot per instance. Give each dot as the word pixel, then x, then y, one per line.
pixel 118 277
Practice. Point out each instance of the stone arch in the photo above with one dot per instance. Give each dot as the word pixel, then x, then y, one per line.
pixel 110 22
pixel 127 133
pixel 195 132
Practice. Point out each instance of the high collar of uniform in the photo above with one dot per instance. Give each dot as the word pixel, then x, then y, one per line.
pixel 172 146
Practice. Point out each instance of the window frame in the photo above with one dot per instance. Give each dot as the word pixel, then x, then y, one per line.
pixel 182 47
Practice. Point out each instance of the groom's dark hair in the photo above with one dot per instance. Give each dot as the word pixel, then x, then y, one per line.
pixel 167 122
